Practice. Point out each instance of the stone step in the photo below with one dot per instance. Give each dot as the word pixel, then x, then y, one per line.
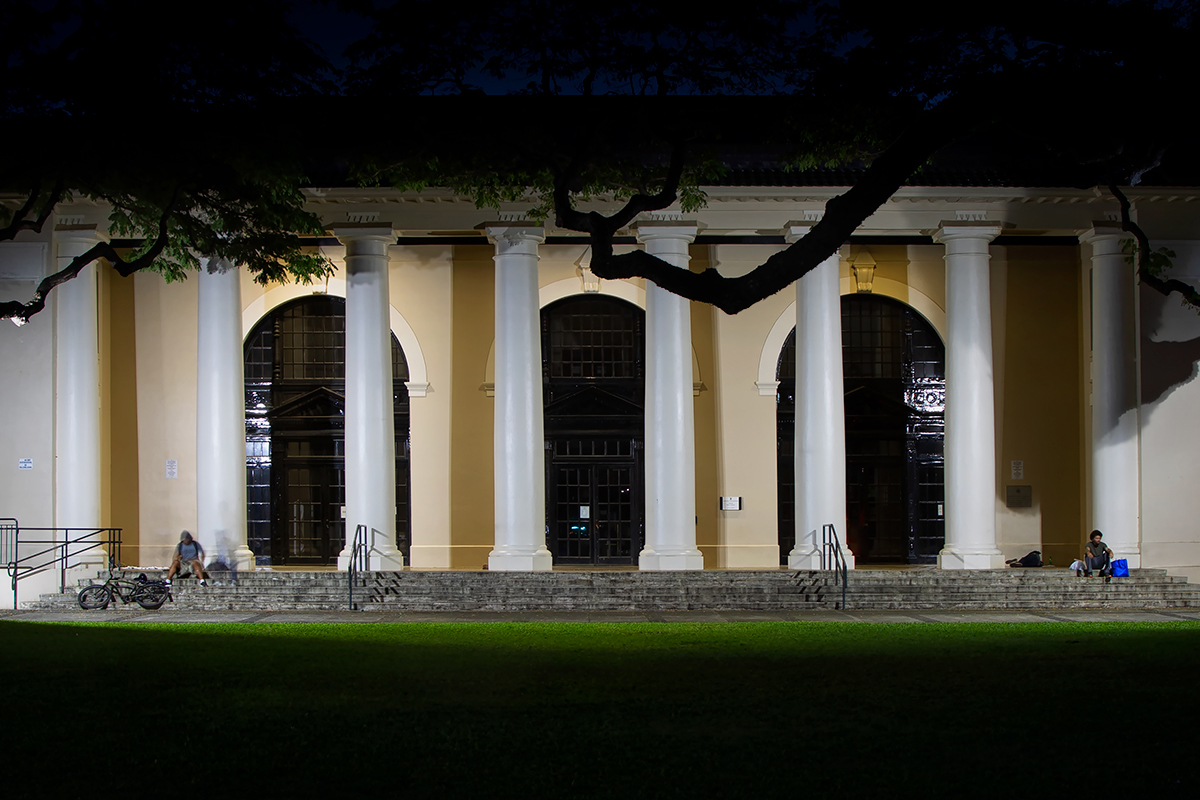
pixel 417 590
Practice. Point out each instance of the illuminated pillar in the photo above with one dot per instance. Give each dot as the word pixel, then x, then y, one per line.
pixel 519 442
pixel 820 412
pixel 77 392
pixel 1114 395
pixel 670 435
pixel 370 424
pixel 970 403
pixel 221 416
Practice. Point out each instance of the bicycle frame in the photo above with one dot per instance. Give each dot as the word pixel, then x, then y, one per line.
pixel 124 588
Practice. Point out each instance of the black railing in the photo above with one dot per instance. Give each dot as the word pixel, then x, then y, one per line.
pixel 25 551
pixel 833 558
pixel 358 560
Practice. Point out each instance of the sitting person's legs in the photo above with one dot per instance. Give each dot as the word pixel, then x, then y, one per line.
pixel 175 566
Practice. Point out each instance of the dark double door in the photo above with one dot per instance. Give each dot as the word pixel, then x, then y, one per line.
pixel 312 505
pixel 594 502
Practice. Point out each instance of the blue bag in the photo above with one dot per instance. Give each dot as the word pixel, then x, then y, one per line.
pixel 1120 568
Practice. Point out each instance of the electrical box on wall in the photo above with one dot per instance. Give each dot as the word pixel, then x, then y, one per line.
pixel 1018 496
pixel 731 504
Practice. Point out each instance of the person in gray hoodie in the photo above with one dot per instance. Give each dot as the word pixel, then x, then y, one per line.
pixel 188 551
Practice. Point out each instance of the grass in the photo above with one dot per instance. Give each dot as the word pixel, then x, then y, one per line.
pixel 600 710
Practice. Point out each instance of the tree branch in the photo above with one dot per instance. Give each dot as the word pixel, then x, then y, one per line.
pixel 1164 286
pixel 20 223
pixel 843 215
pixel 21 312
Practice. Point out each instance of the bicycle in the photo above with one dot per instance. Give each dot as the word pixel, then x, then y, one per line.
pixel 148 594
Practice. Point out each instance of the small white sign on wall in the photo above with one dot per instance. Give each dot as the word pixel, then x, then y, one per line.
pixel 585 512
pixel 172 468
pixel 1018 470
pixel 24 463
pixel 731 503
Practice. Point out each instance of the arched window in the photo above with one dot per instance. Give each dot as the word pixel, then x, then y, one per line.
pixel 593 352
pixel 295 434
pixel 893 371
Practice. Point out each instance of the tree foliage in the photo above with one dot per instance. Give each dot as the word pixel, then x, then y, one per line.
pixel 179 135
pixel 206 136
pixel 881 88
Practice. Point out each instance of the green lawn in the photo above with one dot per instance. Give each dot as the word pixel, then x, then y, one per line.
pixel 600 710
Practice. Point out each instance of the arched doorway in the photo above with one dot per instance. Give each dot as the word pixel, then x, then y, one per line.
pixel 295 434
pixel 894 375
pixel 593 356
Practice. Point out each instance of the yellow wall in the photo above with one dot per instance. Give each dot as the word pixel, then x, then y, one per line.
pixel 472 511
pixel 1042 403
pixel 165 315
pixel 118 411
pixel 707 491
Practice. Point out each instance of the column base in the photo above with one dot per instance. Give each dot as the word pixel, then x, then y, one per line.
pixel 652 561
pixel 950 559
pixel 538 561
pixel 1134 557
pixel 812 560
pixel 377 561
pixel 243 560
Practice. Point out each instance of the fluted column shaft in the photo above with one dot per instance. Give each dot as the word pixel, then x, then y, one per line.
pixel 970 401
pixel 670 427
pixel 77 393
pixel 221 416
pixel 518 445
pixel 1115 508
pixel 820 436
pixel 370 424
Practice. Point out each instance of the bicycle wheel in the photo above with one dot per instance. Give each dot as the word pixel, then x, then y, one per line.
pixel 94 596
pixel 150 596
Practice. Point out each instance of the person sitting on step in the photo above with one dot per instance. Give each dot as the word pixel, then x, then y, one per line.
pixel 1098 556
pixel 188 552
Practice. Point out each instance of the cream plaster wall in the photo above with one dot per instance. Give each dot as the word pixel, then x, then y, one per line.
pixel 1170 435
pixel 420 284
pixel 745 420
pixel 165 318
pixel 27 406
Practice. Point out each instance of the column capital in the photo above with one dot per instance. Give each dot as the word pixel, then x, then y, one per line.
pixel 648 229
pixel 512 232
pixel 346 232
pixel 1103 231
pixel 794 231
pixel 215 265
pixel 955 230
pixel 79 234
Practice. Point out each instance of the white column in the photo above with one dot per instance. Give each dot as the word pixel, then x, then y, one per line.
pixel 370 424
pixel 77 393
pixel 221 416
pixel 670 428
pixel 970 402
pixel 820 411
pixel 1114 395
pixel 519 441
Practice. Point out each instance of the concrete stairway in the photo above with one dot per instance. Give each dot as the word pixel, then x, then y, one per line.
pixel 765 590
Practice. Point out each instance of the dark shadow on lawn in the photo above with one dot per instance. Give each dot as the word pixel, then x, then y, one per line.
pixel 545 710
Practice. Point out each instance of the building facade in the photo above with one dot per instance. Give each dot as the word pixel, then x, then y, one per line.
pixel 975 375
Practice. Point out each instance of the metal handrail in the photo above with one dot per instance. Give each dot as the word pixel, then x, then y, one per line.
pixel 831 553
pixel 358 560
pixel 55 551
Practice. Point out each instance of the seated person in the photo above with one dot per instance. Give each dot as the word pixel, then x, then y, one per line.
pixel 189 552
pixel 1098 556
